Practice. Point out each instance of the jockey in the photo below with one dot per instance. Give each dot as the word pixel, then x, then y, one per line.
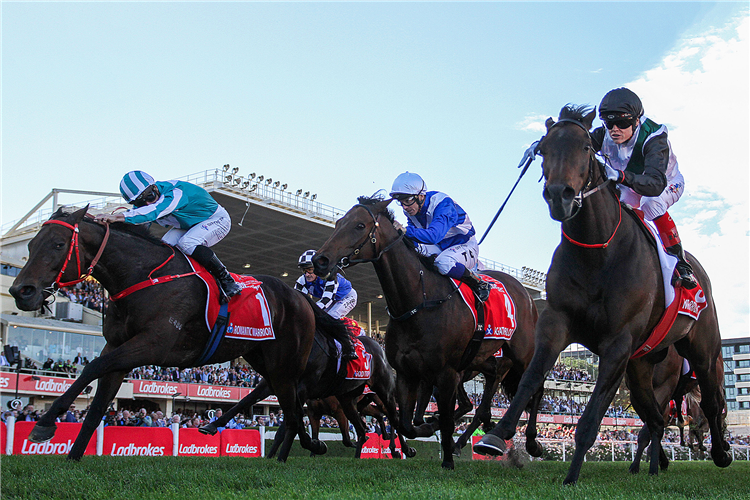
pixel 336 296
pixel 197 221
pixel 640 159
pixel 439 226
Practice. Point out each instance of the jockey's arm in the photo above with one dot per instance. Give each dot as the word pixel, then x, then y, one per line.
pixel 653 180
pixel 444 218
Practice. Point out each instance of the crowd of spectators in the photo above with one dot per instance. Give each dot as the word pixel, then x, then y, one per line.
pixel 235 376
pixel 562 372
pixel 89 293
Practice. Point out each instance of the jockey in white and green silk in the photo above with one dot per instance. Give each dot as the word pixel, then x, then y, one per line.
pixel 640 159
pixel 195 219
pixel 439 226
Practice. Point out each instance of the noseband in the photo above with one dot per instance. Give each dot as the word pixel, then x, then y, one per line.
pixel 347 261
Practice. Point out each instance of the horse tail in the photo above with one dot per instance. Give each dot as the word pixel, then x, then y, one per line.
pixel 327 325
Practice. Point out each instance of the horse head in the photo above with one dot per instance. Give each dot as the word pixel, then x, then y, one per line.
pixel 356 237
pixel 49 250
pixel 568 155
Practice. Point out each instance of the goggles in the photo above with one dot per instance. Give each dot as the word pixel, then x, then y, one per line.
pixel 309 270
pixel 406 200
pixel 149 195
pixel 621 124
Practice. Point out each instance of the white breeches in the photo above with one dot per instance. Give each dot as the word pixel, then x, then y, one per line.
pixel 656 206
pixel 207 233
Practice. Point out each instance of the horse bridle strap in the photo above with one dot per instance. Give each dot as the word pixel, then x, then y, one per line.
pixel 596 245
pixel 346 261
pixel 74 244
pixel 155 281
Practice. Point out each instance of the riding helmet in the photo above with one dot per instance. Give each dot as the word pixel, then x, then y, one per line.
pixel 620 104
pixel 305 260
pixel 408 183
pixel 134 183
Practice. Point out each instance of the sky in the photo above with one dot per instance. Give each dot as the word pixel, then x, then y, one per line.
pixel 339 98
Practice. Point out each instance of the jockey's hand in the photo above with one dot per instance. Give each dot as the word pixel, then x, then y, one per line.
pixel 397 225
pixel 613 175
pixel 110 218
pixel 529 153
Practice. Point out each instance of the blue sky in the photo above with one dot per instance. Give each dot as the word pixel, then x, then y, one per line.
pixel 339 98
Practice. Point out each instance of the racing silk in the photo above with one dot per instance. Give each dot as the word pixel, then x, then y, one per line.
pixel 180 204
pixel 646 159
pixel 440 221
pixel 326 291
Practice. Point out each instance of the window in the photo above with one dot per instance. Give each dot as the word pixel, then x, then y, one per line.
pixel 9 270
pixel 743 378
pixel 727 352
pixel 745 349
pixel 745 363
pixel 728 379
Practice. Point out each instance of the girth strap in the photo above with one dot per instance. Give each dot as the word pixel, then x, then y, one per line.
pixel 476 341
pixel 217 334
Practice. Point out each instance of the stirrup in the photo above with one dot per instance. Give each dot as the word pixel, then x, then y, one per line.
pixel 687 280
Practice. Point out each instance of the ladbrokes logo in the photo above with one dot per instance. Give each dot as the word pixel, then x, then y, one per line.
pixel 47 448
pixel 194 449
pixel 4 382
pixel 154 388
pixel 241 448
pixel 51 385
pixel 214 392
pixel 132 450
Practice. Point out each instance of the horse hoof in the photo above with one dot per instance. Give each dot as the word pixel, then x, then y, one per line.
pixel 634 469
pixel 448 464
pixel 723 460
pixel 41 434
pixel 456 450
pixel 208 429
pixel 319 447
pixel 490 445
pixel 410 452
pixel 534 448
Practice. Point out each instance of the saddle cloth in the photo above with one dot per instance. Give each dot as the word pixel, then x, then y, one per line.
pixel 356 369
pixel 678 300
pixel 249 314
pixel 499 310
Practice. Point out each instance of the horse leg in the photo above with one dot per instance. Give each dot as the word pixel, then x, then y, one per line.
pixel 106 390
pixel 447 382
pixel 343 420
pixel 289 400
pixel 644 437
pixel 532 445
pixel 314 427
pixel 262 391
pixel 423 400
pixel 551 338
pixel 407 395
pixel 611 371
pixel 347 406
pixel 278 439
pixel 640 382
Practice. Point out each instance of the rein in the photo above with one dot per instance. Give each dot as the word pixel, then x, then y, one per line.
pixel 347 261
pixel 74 244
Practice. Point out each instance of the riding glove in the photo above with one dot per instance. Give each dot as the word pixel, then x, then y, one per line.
pixel 613 174
pixel 529 153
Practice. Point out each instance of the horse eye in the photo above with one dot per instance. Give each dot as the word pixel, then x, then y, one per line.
pixel 587 148
pixel 58 246
pixel 360 226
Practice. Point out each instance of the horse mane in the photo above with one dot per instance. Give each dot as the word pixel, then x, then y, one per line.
pixel 428 262
pixel 574 112
pixel 137 230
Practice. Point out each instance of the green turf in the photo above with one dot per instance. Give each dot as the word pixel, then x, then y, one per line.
pixel 336 477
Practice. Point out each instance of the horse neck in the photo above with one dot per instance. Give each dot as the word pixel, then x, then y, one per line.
pixel 596 221
pixel 398 271
pixel 126 259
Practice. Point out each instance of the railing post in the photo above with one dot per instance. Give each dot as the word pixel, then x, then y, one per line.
pixel 10 425
pixel 100 439
pixel 175 439
pixel 262 441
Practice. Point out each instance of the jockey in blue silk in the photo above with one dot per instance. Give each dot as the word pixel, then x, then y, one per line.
pixel 439 226
pixel 197 221
pixel 335 296
pixel 640 159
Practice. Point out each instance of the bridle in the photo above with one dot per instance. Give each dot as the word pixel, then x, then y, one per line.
pixel 74 245
pixel 587 190
pixel 347 261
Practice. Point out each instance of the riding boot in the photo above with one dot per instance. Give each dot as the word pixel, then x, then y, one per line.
pixel 208 259
pixel 683 268
pixel 347 351
pixel 479 287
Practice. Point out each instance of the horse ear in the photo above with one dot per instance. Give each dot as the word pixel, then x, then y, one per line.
pixel 549 123
pixel 79 214
pixel 588 119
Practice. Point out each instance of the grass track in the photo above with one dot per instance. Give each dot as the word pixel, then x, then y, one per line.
pixel 162 478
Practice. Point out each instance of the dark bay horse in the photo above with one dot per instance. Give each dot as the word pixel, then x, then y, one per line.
pixel 431 327
pixel 604 291
pixel 321 379
pixel 160 325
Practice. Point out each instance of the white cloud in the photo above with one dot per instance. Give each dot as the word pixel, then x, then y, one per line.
pixel 701 92
pixel 533 123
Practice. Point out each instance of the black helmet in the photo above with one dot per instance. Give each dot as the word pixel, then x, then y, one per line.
pixel 620 104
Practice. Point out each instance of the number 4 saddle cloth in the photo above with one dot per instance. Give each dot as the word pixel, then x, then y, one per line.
pixel 249 317
pixel 499 310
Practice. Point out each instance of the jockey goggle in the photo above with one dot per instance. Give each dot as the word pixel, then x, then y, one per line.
pixel 308 270
pixel 406 200
pixel 621 124
pixel 149 195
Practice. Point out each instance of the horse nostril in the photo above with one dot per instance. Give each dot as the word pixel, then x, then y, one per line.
pixel 568 194
pixel 22 292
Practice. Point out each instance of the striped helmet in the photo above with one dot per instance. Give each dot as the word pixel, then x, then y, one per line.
pixel 305 260
pixel 134 183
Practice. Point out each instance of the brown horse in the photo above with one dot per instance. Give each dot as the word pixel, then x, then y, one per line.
pixel 431 328
pixel 604 291
pixel 160 325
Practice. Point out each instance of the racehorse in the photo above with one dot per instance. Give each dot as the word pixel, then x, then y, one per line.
pixel 430 327
pixel 160 325
pixel 322 378
pixel 605 291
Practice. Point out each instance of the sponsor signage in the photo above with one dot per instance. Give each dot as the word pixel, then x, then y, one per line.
pixel 477 456
pixel 371 448
pixel 42 385
pixel 137 441
pixel 239 443
pixel 385 447
pixel 193 443
pixel 154 388
pixel 218 392
pixel 60 444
